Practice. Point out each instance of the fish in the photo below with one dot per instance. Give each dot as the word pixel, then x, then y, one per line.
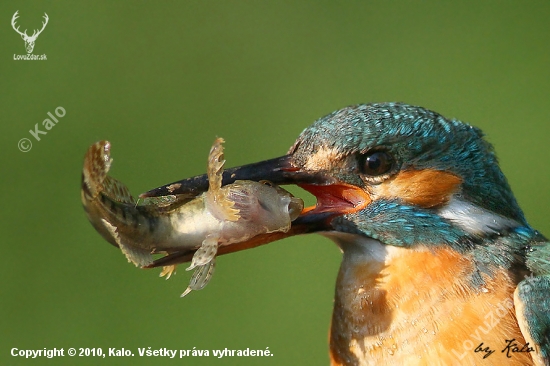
pixel 221 216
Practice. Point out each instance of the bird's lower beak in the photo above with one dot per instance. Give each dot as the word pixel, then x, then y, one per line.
pixel 333 198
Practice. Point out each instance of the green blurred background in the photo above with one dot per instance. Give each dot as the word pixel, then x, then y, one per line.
pixel 161 80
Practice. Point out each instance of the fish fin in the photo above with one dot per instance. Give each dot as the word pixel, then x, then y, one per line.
pixel 140 257
pixel 218 202
pixel 223 208
pixel 168 271
pixel 532 303
pixel 215 165
pixel 97 163
pixel 245 202
pixel 203 262
pixel 117 191
pixel 201 277
pixel 205 253
pixel 161 201
pixel 95 180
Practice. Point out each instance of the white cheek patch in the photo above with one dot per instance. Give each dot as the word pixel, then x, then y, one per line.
pixel 475 220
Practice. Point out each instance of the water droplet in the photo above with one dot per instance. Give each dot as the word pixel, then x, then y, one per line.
pixel 433 332
pixel 390 352
pixel 483 289
pixel 394 346
pixel 425 330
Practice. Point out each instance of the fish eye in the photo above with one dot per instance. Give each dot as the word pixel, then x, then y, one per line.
pixel 376 163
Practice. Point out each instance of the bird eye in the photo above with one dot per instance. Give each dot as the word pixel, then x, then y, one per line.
pixel 376 163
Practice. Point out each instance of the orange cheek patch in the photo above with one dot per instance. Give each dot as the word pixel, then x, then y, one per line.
pixel 425 188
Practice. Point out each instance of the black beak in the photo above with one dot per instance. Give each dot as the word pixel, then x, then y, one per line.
pixel 333 198
pixel 279 171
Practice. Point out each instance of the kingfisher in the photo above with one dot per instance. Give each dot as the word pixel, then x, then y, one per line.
pixel 439 265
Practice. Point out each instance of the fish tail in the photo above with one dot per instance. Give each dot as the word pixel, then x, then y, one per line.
pixel 109 204
pixel 95 180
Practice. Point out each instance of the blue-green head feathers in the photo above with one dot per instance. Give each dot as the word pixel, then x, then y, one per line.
pixel 418 139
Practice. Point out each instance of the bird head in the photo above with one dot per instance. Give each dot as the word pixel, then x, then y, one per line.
pixel 387 172
pixel 424 216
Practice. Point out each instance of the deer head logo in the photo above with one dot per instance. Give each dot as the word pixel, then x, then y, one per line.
pixel 29 41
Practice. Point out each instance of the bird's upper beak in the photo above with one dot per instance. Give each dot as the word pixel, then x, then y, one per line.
pixel 333 198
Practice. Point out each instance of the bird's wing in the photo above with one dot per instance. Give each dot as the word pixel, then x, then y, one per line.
pixel 532 302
